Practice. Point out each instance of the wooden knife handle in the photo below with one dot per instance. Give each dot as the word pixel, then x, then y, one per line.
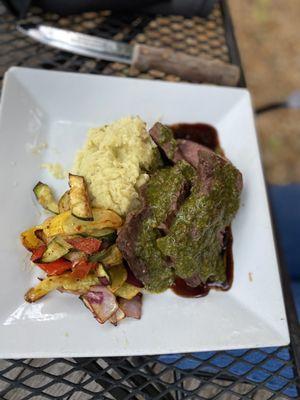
pixel 196 69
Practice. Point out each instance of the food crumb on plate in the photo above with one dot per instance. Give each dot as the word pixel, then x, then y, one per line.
pixel 36 149
pixel 26 265
pixel 55 169
pixel 250 275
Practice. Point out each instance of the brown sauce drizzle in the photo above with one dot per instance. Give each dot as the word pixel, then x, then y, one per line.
pixel 207 136
pixel 201 133
pixel 182 289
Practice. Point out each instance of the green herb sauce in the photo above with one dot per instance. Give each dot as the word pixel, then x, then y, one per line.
pixel 160 193
pixel 166 137
pixel 193 241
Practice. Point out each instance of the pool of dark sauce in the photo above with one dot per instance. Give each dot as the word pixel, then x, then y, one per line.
pixel 207 136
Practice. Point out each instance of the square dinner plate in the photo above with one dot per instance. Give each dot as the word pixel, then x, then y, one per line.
pixel 44 118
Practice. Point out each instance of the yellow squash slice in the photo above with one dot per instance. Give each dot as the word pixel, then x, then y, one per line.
pixel 29 240
pixel 127 291
pixel 67 224
pixel 113 257
pixel 118 276
pixel 64 281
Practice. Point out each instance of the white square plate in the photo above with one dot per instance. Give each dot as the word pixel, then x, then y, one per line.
pixel 57 108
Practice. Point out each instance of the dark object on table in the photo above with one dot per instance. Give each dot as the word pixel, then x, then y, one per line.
pixel 187 8
pixel 78 6
pixel 66 7
pixel 285 200
pixel 17 7
pixel 292 101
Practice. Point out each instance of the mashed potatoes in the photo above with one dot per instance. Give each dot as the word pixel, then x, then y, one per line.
pixel 113 162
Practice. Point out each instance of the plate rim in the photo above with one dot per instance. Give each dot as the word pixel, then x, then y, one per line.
pixel 286 339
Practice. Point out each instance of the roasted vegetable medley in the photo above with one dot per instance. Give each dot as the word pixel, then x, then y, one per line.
pixel 76 249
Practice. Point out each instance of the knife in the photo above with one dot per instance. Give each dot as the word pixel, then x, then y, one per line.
pixel 142 57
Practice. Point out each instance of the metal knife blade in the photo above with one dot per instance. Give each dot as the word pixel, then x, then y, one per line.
pixel 79 43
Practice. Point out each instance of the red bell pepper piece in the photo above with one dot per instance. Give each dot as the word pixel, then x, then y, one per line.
pixel 88 245
pixel 38 253
pixel 56 267
pixel 81 268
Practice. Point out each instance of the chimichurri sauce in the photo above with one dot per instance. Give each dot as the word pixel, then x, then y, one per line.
pixel 207 136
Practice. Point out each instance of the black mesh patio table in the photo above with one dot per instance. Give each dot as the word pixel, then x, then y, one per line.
pixel 264 373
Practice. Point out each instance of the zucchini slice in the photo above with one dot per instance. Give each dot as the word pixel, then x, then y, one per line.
pixel 107 235
pixel 56 249
pixel 79 198
pixel 104 234
pixel 75 255
pixel 114 257
pixel 110 238
pixel 100 255
pixel 45 197
pixel 101 272
pixel 64 202
pixel 110 256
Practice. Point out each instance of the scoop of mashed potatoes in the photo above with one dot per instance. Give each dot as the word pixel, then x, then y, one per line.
pixel 114 161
